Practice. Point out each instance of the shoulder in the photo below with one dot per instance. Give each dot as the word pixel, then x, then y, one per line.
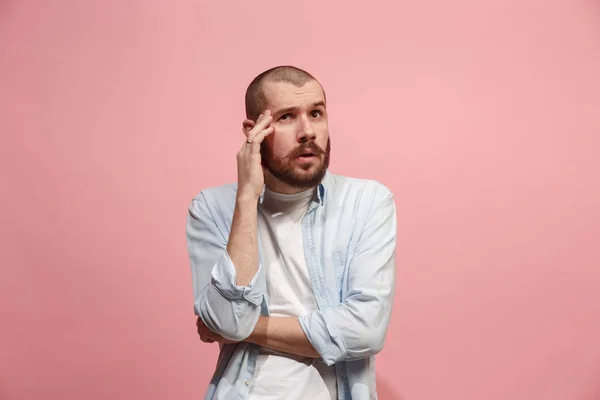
pixel 216 199
pixel 347 188
pixel 218 194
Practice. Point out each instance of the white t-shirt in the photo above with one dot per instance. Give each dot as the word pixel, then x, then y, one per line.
pixel 281 376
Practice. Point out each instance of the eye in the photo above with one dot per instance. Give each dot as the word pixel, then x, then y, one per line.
pixel 285 117
pixel 316 113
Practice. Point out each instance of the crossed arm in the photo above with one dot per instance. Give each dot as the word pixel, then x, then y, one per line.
pixel 283 334
pixel 354 329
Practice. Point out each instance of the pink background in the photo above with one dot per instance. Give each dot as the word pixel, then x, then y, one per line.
pixel 482 116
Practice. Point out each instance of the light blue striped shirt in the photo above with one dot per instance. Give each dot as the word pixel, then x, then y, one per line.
pixel 349 237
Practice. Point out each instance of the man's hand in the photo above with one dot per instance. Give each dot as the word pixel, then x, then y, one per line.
pixel 251 178
pixel 208 336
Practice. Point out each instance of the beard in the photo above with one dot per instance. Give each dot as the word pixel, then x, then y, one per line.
pixel 284 170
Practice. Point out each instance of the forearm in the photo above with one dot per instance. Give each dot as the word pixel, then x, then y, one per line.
pixel 242 245
pixel 227 309
pixel 282 334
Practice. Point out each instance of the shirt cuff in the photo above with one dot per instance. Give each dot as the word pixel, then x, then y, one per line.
pixel 325 338
pixel 223 278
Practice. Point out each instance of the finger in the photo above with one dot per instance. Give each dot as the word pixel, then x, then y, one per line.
pixel 265 113
pixel 260 136
pixel 260 125
pixel 248 124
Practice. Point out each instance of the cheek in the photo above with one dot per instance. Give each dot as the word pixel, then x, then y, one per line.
pixel 323 137
pixel 281 142
pixel 323 129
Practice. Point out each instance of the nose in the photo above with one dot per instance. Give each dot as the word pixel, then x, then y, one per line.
pixel 306 131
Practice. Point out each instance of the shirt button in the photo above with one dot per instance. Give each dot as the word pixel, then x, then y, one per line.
pixel 247 382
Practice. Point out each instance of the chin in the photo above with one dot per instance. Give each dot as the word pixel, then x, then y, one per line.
pixel 313 166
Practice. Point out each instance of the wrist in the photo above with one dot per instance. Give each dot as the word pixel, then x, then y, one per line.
pixel 246 198
pixel 259 333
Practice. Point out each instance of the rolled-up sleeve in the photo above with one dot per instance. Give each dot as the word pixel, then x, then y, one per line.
pixel 227 309
pixel 356 328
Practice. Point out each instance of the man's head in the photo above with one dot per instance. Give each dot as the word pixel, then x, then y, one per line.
pixel 297 153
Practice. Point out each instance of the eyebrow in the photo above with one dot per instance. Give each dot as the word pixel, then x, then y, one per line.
pixel 287 110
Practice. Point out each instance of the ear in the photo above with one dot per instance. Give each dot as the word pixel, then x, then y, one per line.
pixel 247 125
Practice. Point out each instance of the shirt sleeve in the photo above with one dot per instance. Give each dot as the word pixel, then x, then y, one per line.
pixel 229 310
pixel 357 327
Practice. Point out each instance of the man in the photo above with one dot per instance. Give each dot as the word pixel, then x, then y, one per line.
pixel 293 267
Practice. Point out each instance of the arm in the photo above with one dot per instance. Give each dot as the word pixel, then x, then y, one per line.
pixel 357 327
pixel 242 245
pixel 227 292
pixel 226 308
pixel 282 334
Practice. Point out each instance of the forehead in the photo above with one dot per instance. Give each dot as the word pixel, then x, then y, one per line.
pixel 283 94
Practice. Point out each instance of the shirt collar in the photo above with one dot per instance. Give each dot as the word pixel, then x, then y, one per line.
pixel 321 191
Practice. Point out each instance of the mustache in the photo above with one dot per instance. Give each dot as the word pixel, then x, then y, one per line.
pixel 306 147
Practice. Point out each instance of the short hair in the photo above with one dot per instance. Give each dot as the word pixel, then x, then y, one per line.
pixel 255 96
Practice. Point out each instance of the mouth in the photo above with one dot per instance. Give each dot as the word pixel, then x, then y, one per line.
pixel 306 157
pixel 307 154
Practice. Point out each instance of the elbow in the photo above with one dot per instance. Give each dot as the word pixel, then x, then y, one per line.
pixel 240 332
pixel 369 345
pixel 243 326
pixel 375 339
pixel 361 349
pixel 334 345
pixel 234 321
pixel 375 345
